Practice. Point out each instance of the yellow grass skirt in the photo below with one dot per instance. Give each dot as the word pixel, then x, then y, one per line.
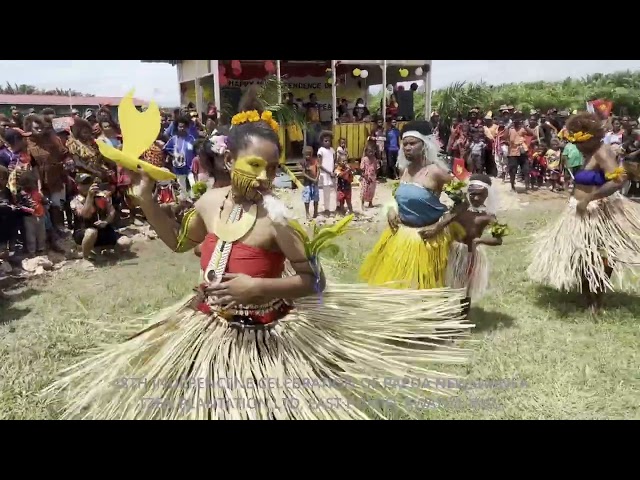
pixel 344 355
pixel 294 133
pixel 404 260
pixel 576 247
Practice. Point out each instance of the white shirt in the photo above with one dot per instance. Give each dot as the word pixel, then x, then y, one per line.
pixel 327 160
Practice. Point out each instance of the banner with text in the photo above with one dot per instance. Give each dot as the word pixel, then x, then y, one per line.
pixel 304 86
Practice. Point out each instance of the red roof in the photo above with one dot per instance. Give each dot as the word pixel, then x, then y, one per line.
pixel 63 100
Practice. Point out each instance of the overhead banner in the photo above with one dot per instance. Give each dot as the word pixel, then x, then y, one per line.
pixel 302 87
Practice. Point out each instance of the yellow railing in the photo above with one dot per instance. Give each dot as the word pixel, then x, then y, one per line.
pixel 356 135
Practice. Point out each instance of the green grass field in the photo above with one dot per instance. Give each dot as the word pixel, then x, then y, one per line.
pixel 563 362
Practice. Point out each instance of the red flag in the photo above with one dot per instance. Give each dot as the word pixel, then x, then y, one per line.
pixel 604 107
pixel 460 170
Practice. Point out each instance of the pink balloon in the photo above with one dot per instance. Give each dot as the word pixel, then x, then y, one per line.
pixel 269 66
pixel 224 81
pixel 235 64
pixel 237 72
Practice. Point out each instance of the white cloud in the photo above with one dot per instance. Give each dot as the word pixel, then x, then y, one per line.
pixel 159 81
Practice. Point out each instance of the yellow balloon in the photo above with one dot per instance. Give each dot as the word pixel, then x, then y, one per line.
pixel 404 72
pixel 356 72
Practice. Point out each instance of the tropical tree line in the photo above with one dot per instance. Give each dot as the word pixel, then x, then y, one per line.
pixel 24 89
pixel 622 88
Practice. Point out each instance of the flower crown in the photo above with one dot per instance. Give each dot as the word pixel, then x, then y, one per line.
pixel 578 137
pixel 254 116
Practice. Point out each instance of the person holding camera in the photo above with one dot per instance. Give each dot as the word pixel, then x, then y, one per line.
pixel 94 216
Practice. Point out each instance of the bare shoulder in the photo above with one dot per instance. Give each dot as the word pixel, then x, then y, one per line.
pixel 606 157
pixel 211 200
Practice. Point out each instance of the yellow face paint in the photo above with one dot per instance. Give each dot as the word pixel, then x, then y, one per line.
pixel 249 174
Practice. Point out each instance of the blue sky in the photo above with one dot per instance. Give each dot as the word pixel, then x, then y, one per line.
pixel 159 81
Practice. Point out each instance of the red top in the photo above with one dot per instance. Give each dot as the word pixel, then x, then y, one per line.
pixel 255 262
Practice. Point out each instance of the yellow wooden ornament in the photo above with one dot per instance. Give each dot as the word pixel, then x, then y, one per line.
pixel 139 132
pixel 231 232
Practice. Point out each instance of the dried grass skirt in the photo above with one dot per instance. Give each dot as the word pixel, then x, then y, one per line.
pixel 342 356
pixel 468 271
pixel 577 247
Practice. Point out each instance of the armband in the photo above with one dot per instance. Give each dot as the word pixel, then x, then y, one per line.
pixel 616 175
pixel 499 230
pixel 183 242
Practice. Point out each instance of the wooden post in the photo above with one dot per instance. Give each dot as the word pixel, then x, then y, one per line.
pixel 278 73
pixel 384 92
pixel 427 94
pixel 334 92
pixel 215 69
pixel 198 89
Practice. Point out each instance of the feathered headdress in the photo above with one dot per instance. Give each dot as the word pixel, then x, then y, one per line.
pixel 139 132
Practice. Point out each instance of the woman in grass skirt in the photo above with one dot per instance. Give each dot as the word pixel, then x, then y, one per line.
pixel 599 232
pixel 413 251
pixel 240 348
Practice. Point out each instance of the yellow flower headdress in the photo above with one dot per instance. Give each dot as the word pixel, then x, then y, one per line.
pixel 254 116
pixel 578 137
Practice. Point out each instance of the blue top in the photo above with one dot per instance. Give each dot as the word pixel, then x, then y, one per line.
pixel 590 178
pixel 393 140
pixel 418 206
pixel 183 151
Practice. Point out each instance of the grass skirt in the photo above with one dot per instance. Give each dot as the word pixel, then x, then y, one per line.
pixel 577 247
pixel 407 260
pixel 467 271
pixel 344 355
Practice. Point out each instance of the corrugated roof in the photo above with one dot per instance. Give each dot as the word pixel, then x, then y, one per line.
pixel 170 62
pixel 62 100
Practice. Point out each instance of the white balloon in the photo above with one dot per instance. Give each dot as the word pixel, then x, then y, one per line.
pixel 419 71
pixel 364 74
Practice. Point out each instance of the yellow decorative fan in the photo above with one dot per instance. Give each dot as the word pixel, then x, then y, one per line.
pixel 139 131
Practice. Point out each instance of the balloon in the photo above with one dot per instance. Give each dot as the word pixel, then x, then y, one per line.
pixel 364 74
pixel 235 64
pixel 269 67
pixel 390 88
pixel 236 72
pixel 419 71
pixel 404 72
pixel 356 72
pixel 224 81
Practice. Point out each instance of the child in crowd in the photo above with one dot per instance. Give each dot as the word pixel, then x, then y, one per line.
pixel 326 159
pixel 33 203
pixel 477 150
pixel 554 165
pixel 311 175
pixel 342 147
pixel 9 215
pixel 368 180
pixel 167 195
pixel 344 176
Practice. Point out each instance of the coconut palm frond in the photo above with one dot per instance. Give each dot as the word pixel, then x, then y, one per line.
pixel 270 94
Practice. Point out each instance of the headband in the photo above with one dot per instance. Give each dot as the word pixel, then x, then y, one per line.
pixel 479 183
pixel 415 133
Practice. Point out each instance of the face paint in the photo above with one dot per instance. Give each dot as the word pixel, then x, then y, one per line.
pixel 249 176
